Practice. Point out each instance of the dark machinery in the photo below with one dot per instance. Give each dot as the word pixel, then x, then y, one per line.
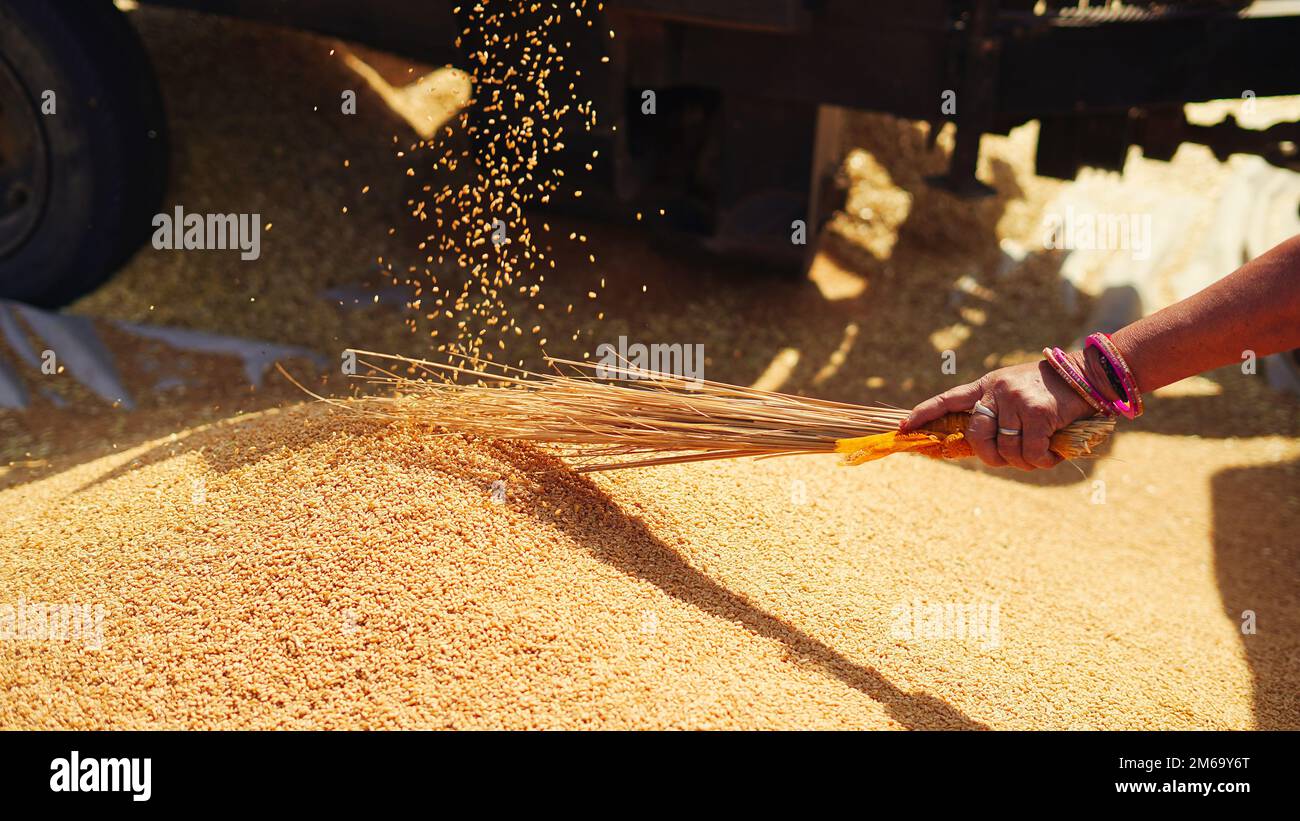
pixel 739 85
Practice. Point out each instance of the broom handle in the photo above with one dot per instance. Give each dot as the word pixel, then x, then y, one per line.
pixel 1079 438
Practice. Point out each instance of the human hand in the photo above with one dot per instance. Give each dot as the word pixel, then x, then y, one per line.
pixel 1031 398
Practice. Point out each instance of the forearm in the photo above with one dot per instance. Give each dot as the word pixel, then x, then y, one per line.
pixel 1256 308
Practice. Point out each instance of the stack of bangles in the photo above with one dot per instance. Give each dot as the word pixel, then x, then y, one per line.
pixel 1118 375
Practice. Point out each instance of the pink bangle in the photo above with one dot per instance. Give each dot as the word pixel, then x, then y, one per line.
pixel 1063 366
pixel 1131 405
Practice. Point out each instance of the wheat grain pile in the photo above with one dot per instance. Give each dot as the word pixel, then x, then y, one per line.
pixel 312 568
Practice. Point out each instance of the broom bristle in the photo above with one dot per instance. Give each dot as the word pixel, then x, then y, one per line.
pixel 601 415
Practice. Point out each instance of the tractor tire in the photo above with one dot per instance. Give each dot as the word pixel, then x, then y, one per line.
pixel 83 152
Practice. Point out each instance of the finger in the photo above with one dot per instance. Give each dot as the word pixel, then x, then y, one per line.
pixel 1036 447
pixel 1010 445
pixel 953 400
pixel 982 432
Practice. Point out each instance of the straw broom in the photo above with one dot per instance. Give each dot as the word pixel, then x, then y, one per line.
pixel 611 417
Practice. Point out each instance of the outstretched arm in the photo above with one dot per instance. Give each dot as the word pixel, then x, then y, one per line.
pixel 1256 308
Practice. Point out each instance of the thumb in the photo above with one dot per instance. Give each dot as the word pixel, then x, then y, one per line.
pixel 960 398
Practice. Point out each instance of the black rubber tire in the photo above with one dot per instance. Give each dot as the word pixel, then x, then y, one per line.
pixel 105 146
